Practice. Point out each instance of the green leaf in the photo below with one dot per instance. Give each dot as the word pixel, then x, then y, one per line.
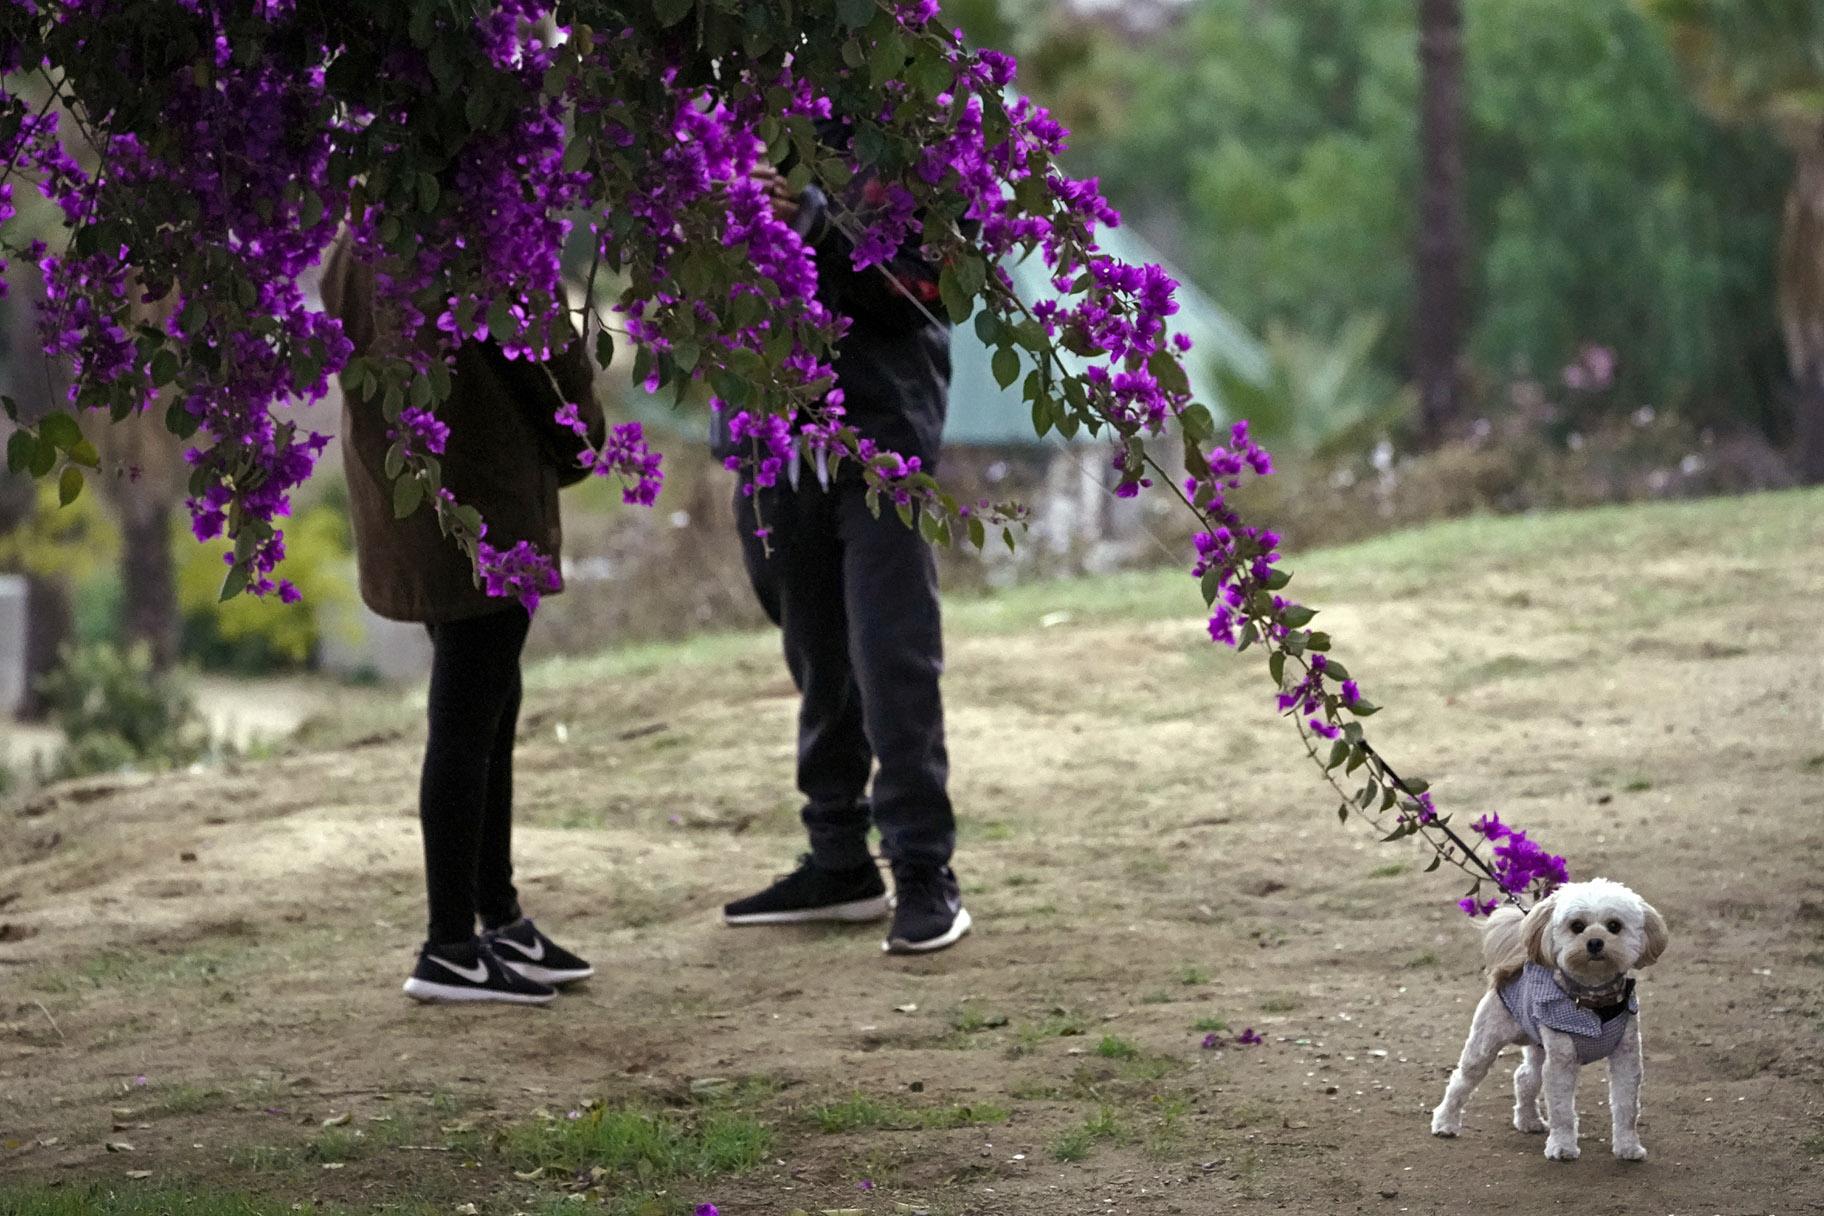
pixel 395 461
pixel 1342 812
pixel 1276 666
pixel 1318 641
pixel 501 326
pixel 1363 708
pixel 685 355
pixel 1435 863
pixel 1277 578
pixel 604 348
pixel 408 492
pixel 1297 615
pixel 576 154
pixel 988 328
pixel 853 13
pixel 164 366
pixel 1210 584
pixel 69 485
pixel 670 12
pixel 1006 366
pixel 43 459
pixel 957 301
pixel 429 191
pixel 978 534
pixel 887 61
pixel 84 454
pixel 235 583
pixel 1338 751
pixel 60 430
pixel 21 451
pixel 310 209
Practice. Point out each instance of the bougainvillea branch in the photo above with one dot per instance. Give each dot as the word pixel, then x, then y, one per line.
pixel 464 149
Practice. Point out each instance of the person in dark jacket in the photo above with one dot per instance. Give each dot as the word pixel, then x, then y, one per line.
pixel 856 598
pixel 506 456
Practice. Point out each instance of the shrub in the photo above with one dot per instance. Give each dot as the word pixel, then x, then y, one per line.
pixel 115 710
pixel 251 635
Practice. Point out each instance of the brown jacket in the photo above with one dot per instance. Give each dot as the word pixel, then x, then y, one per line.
pixel 506 457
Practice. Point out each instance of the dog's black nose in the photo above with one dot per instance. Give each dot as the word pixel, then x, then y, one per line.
pixel 1595 945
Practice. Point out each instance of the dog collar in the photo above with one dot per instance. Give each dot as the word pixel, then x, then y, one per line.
pixel 1605 996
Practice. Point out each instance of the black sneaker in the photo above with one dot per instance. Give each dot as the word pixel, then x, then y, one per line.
pixel 928 912
pixel 813 893
pixel 524 949
pixel 472 973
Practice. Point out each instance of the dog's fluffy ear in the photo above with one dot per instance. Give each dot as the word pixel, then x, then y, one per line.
pixel 1656 934
pixel 1533 931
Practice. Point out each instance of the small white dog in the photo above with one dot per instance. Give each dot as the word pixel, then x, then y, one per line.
pixel 1558 983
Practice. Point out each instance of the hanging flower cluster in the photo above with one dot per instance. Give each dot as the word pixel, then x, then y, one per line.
pixel 197 159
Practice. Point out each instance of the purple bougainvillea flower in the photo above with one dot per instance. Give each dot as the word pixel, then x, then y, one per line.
pixel 707 1209
pixel 1248 1038
pixel 1211 1042
pixel 866 1184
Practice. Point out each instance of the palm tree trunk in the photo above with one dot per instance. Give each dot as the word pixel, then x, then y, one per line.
pixel 1802 306
pixel 1443 236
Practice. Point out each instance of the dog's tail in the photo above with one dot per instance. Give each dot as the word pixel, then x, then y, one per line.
pixel 1503 946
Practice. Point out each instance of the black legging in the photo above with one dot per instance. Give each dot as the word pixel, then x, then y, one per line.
pixel 465 800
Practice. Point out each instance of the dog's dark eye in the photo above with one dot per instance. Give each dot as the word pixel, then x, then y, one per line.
pixel 1576 926
pixel 1614 926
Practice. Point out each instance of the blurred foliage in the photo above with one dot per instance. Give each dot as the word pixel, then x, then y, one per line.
pixel 247 634
pixel 75 542
pixel 1319 394
pixel 1753 59
pixel 115 710
pixel 1271 150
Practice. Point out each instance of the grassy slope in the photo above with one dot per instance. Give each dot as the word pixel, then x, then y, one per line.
pixel 1149 859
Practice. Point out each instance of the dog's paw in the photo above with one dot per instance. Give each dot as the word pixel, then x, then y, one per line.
pixel 1443 1123
pixel 1528 1122
pixel 1562 1150
pixel 1630 1150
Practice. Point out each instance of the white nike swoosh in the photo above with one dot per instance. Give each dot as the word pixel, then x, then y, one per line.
pixel 475 975
pixel 534 953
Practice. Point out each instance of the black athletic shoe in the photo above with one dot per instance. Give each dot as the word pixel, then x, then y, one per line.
pixel 523 948
pixel 928 912
pixel 813 893
pixel 472 973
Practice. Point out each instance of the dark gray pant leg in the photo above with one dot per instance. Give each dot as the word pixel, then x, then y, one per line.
pixel 896 647
pixel 800 585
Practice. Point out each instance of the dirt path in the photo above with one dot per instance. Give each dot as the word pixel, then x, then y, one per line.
pixel 1143 852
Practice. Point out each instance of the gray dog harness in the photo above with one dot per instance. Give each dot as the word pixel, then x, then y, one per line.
pixel 1534 999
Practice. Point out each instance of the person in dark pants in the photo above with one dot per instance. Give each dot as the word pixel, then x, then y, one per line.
pixel 856 599
pixel 506 456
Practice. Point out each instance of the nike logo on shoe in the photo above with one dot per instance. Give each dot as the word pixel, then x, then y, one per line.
pixel 535 953
pixel 478 974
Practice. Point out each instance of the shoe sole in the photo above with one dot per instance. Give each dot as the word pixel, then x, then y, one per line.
pixel 855 911
pixel 958 927
pixel 429 992
pixel 548 975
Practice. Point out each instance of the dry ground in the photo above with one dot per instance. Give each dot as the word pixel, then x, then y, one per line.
pixel 1146 854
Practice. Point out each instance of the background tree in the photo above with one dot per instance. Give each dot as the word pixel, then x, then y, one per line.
pixel 1272 150
pixel 1442 238
pixel 1762 62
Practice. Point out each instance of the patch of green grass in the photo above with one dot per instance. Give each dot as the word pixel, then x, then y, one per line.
pixel 152 1199
pixel 1191 974
pixel 264 1158
pixel 1164 1134
pixel 637 1143
pixel 1114 1047
pixel 1636 786
pixel 1813 1145
pixel 1028 880
pixel 1281 1002
pixel 860 1112
pixel 1392 869
pixel 145 969
pixel 1058 1024
pixel 1102 1127
pixel 184 1099
pixel 1156 997
pixel 1424 958
pixel 972 1018
pixel 1210 1025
